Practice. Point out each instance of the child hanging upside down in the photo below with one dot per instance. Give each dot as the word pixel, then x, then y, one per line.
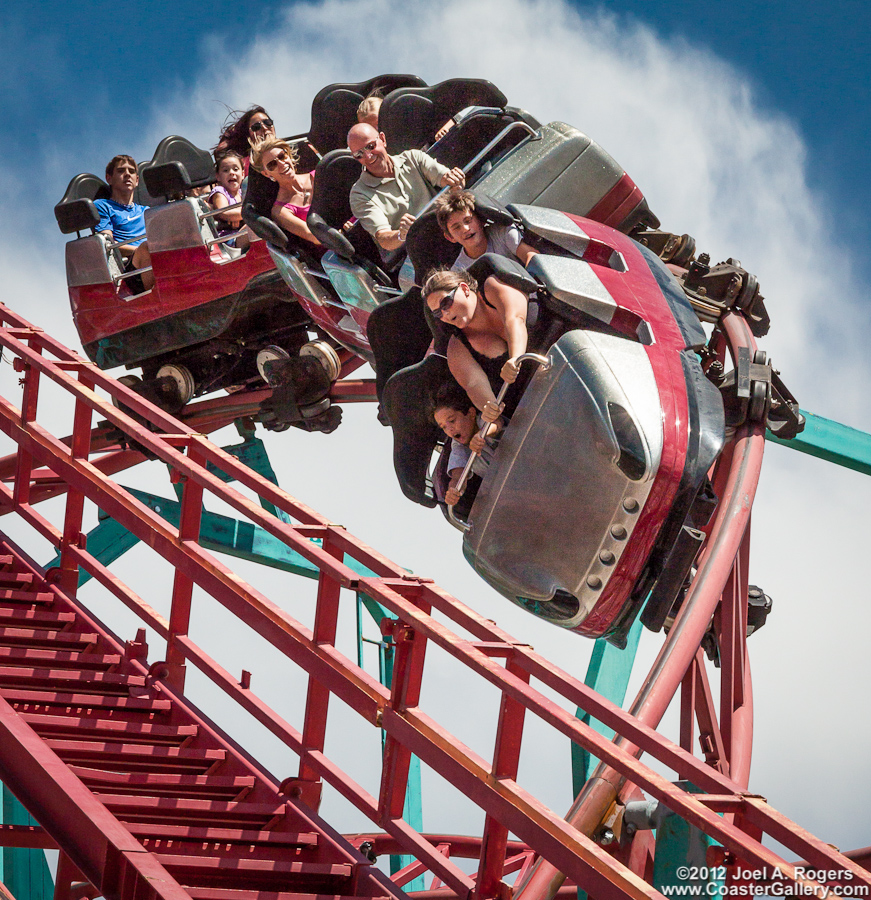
pixel 457 417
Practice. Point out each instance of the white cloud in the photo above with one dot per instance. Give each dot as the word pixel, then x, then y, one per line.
pixel 713 163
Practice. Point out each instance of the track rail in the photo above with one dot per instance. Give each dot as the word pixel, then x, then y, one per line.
pixel 421 615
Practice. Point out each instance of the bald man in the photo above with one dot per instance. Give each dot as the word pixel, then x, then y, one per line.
pixel 392 190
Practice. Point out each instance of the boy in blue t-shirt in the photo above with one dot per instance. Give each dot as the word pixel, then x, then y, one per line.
pixel 124 221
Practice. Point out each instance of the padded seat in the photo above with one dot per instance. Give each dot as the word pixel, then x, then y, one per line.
pixel 330 208
pixel 76 210
pixel 256 214
pixel 427 247
pixel 407 399
pixel 473 132
pixel 410 117
pixel 176 167
pixel 257 206
pixel 334 109
pixel 398 335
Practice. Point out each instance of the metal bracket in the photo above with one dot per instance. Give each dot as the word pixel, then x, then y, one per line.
pixel 714 289
pixel 754 391
pixel 309 792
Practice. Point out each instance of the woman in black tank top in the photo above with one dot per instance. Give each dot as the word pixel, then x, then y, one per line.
pixel 489 333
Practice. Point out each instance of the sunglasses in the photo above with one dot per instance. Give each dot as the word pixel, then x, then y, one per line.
pixel 445 304
pixel 365 151
pixel 273 163
pixel 259 126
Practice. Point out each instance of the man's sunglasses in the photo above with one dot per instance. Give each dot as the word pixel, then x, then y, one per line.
pixel 273 163
pixel 369 148
pixel 445 304
pixel 259 126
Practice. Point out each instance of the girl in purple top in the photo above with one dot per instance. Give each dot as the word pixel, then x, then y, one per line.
pixel 277 159
pixel 228 192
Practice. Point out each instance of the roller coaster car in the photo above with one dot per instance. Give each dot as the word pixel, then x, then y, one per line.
pixel 360 277
pixel 502 149
pixel 594 498
pixel 212 307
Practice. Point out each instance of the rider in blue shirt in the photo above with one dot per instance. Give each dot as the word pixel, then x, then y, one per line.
pixel 124 221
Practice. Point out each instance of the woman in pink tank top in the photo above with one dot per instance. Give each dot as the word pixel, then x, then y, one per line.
pixel 277 159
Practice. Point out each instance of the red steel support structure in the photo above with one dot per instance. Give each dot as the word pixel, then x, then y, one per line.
pixel 147 797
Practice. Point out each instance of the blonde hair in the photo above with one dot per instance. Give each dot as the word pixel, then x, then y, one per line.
pixel 369 107
pixel 446 280
pixel 258 150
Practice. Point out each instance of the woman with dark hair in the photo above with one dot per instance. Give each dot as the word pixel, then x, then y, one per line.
pixel 242 130
pixel 489 332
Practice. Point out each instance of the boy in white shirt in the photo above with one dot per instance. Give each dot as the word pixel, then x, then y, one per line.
pixel 460 224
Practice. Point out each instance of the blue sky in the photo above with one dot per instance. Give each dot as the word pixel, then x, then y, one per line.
pixel 81 69
pixel 744 124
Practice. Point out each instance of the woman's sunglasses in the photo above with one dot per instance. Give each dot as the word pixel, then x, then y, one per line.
pixel 445 304
pixel 259 126
pixel 273 163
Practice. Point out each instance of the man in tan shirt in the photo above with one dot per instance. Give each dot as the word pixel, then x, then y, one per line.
pixel 392 190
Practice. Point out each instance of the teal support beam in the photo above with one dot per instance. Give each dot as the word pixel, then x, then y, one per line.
pixel 680 859
pixel 24 872
pixel 251 452
pixel 243 540
pixel 221 534
pixel 607 674
pixel 832 442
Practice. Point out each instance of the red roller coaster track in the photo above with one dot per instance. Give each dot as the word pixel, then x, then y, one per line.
pixel 145 796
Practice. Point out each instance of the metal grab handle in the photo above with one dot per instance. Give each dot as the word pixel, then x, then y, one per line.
pixel 479 156
pixel 544 363
pixel 232 207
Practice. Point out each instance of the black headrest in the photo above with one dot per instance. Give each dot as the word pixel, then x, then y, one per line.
pixel 493 211
pixel 427 246
pixel 410 117
pixel 177 166
pixel 406 399
pixel 335 175
pixel 334 109
pixel 166 179
pixel 76 210
pixel 260 195
pixel 508 271
pixel 398 335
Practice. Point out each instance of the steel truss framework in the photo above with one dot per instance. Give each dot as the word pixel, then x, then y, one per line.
pixel 146 797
